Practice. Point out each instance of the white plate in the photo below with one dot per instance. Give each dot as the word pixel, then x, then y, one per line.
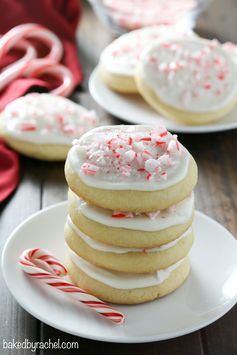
pixel 133 109
pixel 209 292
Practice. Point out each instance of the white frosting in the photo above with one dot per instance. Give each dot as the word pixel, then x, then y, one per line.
pixel 190 74
pixel 145 158
pixel 94 244
pixel 175 215
pixel 231 48
pixel 122 55
pixel 47 119
pixel 122 280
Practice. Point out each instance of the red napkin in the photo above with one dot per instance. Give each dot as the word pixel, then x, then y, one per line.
pixel 9 171
pixel 61 17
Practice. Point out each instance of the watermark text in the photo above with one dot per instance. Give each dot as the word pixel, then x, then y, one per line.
pixel 41 345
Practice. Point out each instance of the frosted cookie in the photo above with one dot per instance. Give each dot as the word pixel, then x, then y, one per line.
pixel 231 48
pixel 119 60
pixel 131 230
pixel 126 288
pixel 130 168
pixel 135 260
pixel 192 81
pixel 43 126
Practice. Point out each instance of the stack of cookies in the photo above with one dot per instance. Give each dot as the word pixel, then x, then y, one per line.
pixel 129 227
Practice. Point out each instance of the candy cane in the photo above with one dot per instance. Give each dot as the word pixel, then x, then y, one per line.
pixel 41 265
pixel 38 67
pixel 31 66
pixel 31 30
pixel 16 69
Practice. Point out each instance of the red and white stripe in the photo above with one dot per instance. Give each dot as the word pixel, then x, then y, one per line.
pixel 16 69
pixel 39 67
pixel 32 30
pixel 41 265
pixel 31 66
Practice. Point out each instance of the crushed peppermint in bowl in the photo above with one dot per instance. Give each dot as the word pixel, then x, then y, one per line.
pixel 126 15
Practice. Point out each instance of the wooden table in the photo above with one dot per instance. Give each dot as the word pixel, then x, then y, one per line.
pixel 43 184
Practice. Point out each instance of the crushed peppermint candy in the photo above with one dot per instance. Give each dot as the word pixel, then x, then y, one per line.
pixel 45 117
pixel 28 126
pixel 89 169
pixel 192 74
pixel 125 152
pixel 120 214
pixel 151 215
pixel 131 14
pixel 123 54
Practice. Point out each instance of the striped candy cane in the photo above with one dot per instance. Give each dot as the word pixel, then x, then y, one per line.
pixel 38 67
pixel 32 30
pixel 41 265
pixel 15 70
pixel 30 65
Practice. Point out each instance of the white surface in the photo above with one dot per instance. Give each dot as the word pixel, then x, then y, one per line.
pixel 209 292
pixel 133 109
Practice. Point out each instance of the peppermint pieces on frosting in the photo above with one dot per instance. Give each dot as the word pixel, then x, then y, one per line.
pixel 122 153
pixel 47 119
pixel 130 157
pixel 122 55
pixel 193 75
pixel 183 208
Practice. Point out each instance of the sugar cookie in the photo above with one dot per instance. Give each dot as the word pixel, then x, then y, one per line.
pixel 130 168
pixel 135 260
pixel 192 81
pixel 119 60
pixel 43 126
pixel 131 230
pixel 118 287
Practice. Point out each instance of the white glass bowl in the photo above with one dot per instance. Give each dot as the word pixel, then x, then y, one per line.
pixel 126 15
